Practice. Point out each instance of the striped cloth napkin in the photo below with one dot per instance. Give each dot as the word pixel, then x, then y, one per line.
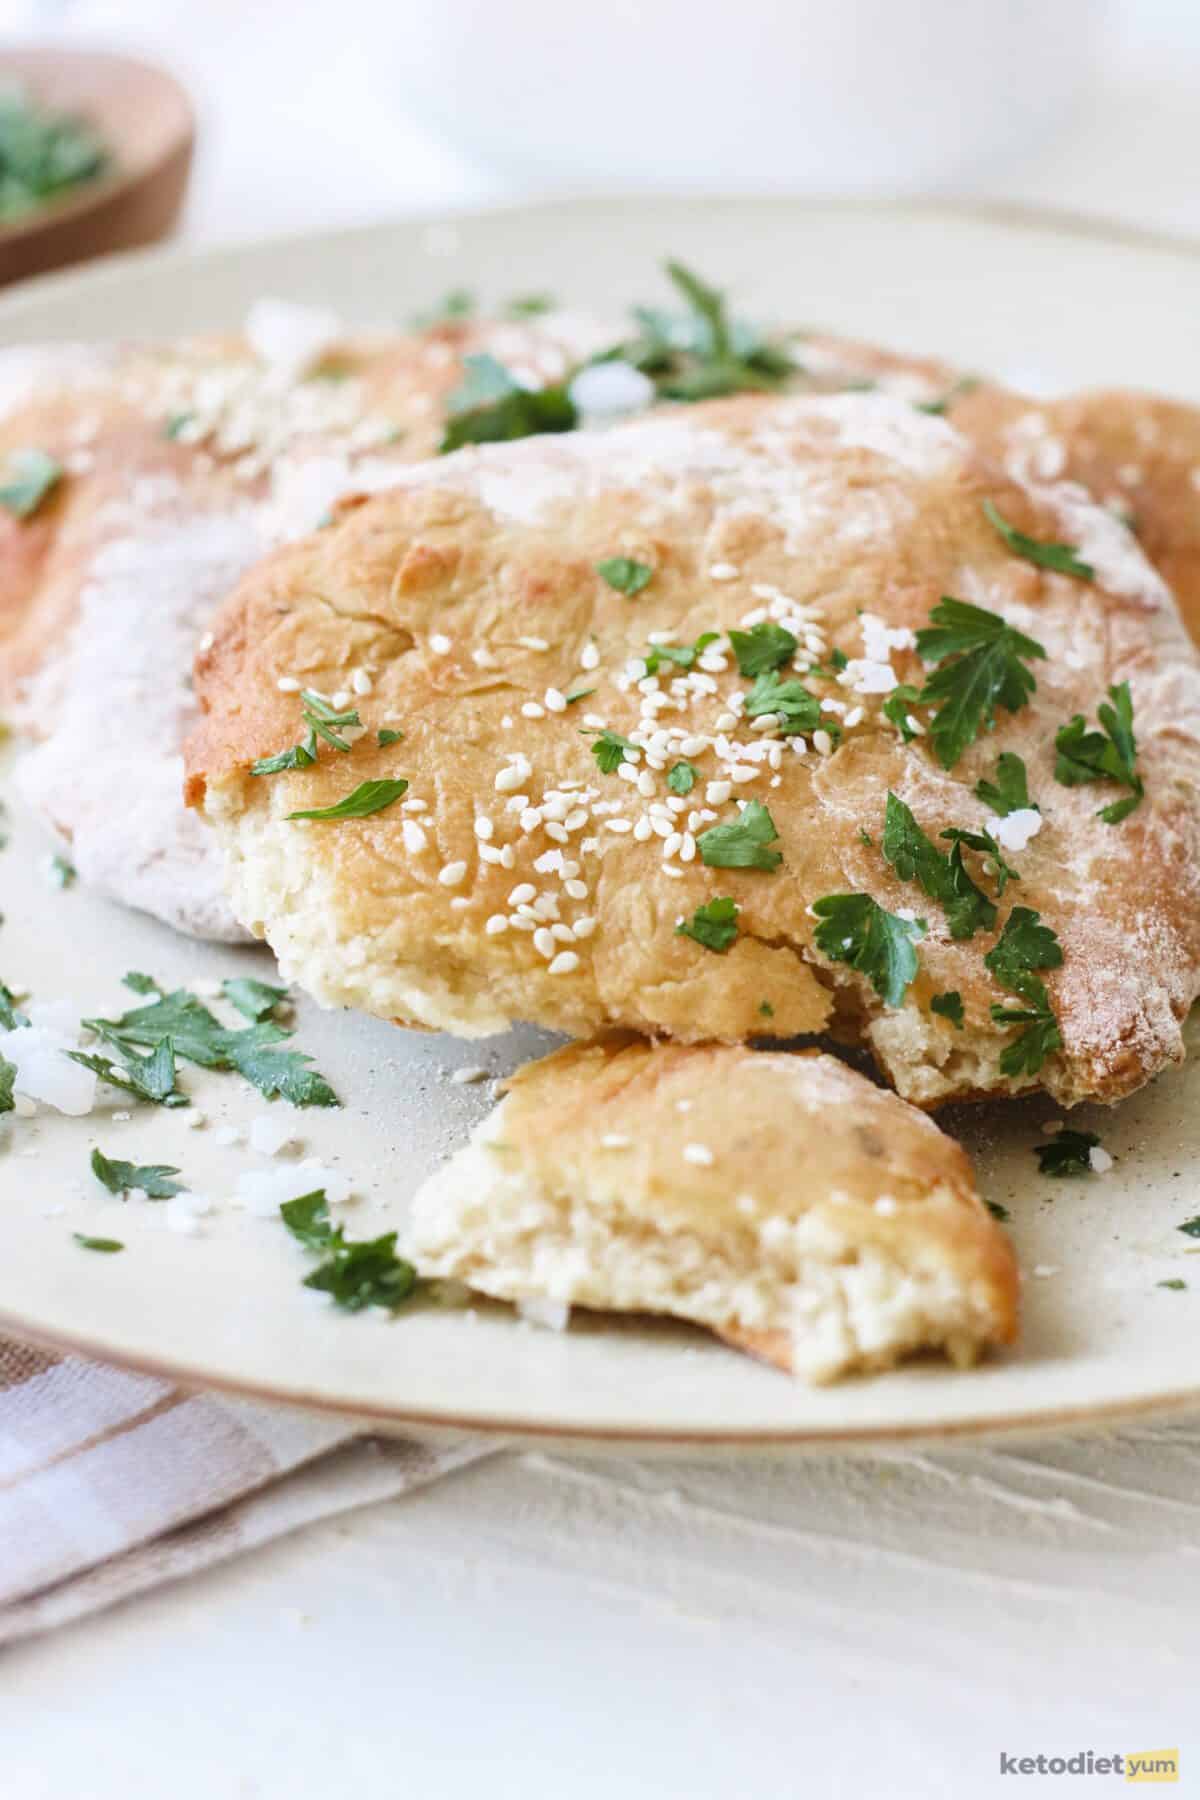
pixel 113 1482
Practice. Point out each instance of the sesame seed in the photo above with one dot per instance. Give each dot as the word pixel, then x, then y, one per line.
pixel 727 721
pixel 543 942
pixel 700 1154
pixel 613 1140
pixel 556 831
pixel 822 743
pixel 440 644
pixel 508 857
pixel 565 963
pixel 287 684
pixel 451 874
pixel 642 830
pixel 464 1077
pixel 576 819
pixel 531 710
pixel 207 641
pixel 672 843
pixel 522 894
pixel 483 658
pixel 489 854
pixel 583 928
pixel 575 890
pixel 459 903
pixel 555 699
pixel 533 643
pixel 687 850
pixel 484 827
pixel 723 571
pixel 617 825
pixel 745 771
pixel 717 792
pixel 562 932
pixel 414 837
pixel 673 870
pixel 361 682
pixel 496 925
pixel 589 657
pixel 510 778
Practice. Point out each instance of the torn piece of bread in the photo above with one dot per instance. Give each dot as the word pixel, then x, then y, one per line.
pixel 1137 454
pixel 572 738
pixel 782 1201
pixel 180 467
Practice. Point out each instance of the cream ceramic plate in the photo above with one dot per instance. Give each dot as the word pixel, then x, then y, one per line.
pixel 1032 300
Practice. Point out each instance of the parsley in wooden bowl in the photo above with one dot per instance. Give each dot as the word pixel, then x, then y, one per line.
pixel 95 152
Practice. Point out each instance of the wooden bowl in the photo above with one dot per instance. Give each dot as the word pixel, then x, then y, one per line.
pixel 145 119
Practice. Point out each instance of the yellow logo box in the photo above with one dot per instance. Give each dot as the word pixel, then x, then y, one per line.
pixel 1152 1765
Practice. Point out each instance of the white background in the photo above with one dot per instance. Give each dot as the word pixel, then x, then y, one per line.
pixel 540 1626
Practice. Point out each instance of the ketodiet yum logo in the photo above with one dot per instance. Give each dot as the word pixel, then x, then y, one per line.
pixel 1126 1765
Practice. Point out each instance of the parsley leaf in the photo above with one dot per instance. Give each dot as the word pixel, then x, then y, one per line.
pixel 899 705
pixel 944 878
pixel 949 1006
pixel 1066 1153
pixel 529 306
pixel 141 984
pixel 354 1275
pixel 681 777
pixel 986 844
pixel 8 1076
pixel 296 757
pixel 579 694
pixel 742 844
pixel 714 924
pixel 323 721
pixel 193 1032
pixel 106 1246
pixel 798 710
pixel 625 574
pixel 255 1000
pixel 610 750
pixel 368 797
pixel 1175 1284
pixel 176 424
pixel 981 662
pixel 458 304
pixel 28 477
pixel 154 1179
pixel 1010 790
pixel 765 646
pixel 386 736
pixel 62 873
pixel 149 1078
pixel 491 408
pixel 1110 755
pixel 1064 558
pixel 10 1014
pixel 855 929
pixel 1023 946
pixel 682 655
pixel 1190 1227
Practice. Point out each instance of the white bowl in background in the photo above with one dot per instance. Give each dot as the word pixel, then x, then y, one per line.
pixel 818 95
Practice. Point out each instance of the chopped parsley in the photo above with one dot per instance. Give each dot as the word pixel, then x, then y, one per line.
pixel 981 665
pixel 766 1010
pixel 798 710
pixel 323 721
pixel 8 1076
pixel 701 353
pixel 1107 755
pixel 28 477
pixel 837 660
pixel 944 878
pixel 764 647
pixel 966 384
pixel 579 694
pixel 386 736
pixel 1066 1153
pixel 10 1014
pixel 1175 1284
pixel 1010 790
pixel 742 844
pixel 454 306
pixel 1063 558
pixel 529 306
pixel 1190 1227
pixel 898 706
pixel 1022 947
pixel 61 872
pixel 864 837
pixel 714 924
pixel 106 1246
pixel 354 1274
pixel 254 999
pixel 997 1211
pixel 44 153
pixel 492 408
pixel 181 1025
pixel 139 983
pixel 149 1077
pixel 854 929
pixel 177 423
pixel 368 797
pixel 682 655
pixel 985 843
pixel 625 574
pixel 949 1006
pixel 154 1179
pixel 610 750
pixel 681 777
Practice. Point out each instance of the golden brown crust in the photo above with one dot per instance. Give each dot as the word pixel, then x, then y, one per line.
pixel 839 506
pixel 1134 452
pixel 784 1201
